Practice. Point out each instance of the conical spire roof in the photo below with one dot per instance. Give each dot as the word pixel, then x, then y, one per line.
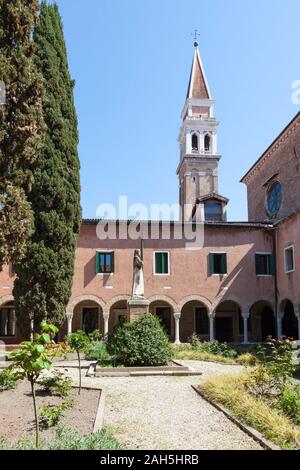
pixel 198 86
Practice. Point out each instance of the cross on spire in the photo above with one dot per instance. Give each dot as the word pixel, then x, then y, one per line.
pixel 196 36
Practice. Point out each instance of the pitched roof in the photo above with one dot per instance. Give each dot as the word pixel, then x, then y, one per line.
pixel 266 152
pixel 214 196
pixel 198 86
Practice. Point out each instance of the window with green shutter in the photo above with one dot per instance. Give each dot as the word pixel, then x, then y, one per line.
pixel 264 264
pixel 218 263
pixel 105 262
pixel 162 262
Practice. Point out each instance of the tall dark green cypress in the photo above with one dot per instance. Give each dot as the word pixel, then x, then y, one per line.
pixel 44 278
pixel 21 124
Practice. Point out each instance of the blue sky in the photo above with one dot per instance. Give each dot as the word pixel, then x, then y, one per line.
pixel 131 61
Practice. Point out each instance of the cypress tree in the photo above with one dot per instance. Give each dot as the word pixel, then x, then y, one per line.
pixel 44 278
pixel 21 124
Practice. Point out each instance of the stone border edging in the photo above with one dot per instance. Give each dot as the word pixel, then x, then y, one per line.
pixel 256 435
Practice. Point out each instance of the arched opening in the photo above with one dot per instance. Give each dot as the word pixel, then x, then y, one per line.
pixel 207 142
pixel 262 321
pixel 289 321
pixel 117 314
pixel 7 320
pixel 87 316
pixel 195 144
pixel 164 311
pixel 194 320
pixel 228 322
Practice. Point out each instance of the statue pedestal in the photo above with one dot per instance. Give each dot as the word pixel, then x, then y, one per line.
pixel 136 307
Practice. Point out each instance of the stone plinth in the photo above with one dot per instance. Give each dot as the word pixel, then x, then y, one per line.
pixel 136 307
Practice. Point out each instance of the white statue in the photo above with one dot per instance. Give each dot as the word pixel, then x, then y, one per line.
pixel 138 275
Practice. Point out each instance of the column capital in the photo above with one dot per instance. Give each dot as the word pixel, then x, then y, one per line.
pixel 280 315
pixel 106 315
pixel 246 315
pixel 69 315
pixel 176 315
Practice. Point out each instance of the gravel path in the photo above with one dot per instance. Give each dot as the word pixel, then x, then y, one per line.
pixel 165 413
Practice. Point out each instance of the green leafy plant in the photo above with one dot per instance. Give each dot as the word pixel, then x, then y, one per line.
pixel 30 361
pixel 78 342
pixel 212 347
pixel 57 384
pixel 289 401
pixel 97 351
pixel 95 336
pixel 50 415
pixel 8 379
pixel 66 439
pixel 141 343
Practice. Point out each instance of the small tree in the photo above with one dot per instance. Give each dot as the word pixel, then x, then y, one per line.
pixel 31 360
pixel 78 342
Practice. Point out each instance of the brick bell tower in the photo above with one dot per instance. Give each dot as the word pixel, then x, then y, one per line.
pixel 199 158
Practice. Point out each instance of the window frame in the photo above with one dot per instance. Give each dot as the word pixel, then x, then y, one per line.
pixel 105 253
pixel 195 149
pixel 207 136
pixel 209 262
pixel 266 253
pixel 289 271
pixel 154 263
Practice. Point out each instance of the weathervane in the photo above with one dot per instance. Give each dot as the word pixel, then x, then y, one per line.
pixel 196 36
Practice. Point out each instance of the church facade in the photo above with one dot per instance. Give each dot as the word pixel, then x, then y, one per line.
pixel 241 285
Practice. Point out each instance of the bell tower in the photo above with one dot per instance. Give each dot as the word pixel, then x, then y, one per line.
pixel 199 158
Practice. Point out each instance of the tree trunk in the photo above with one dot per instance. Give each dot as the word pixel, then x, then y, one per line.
pixel 79 363
pixel 37 439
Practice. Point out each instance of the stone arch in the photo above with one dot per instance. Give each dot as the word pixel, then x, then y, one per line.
pixel 267 300
pixel 227 318
pixel 262 321
pixel 196 298
pixel 289 319
pixel 164 298
pixel 115 300
pixel 282 304
pixel 231 298
pixel 85 297
pixel 5 299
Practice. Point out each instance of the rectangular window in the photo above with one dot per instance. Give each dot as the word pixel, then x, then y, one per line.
pixel 218 263
pixel 202 324
pixel 264 264
pixel 162 262
pixel 289 259
pixel 105 262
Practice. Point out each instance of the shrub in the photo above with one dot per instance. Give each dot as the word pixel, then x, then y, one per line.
pixel 57 384
pixel 212 347
pixel 289 402
pixel 96 335
pixel 50 415
pixel 141 343
pixel 66 439
pixel 97 351
pixel 8 380
pixel 247 359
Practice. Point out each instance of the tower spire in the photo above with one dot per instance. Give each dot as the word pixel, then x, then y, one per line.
pixel 198 86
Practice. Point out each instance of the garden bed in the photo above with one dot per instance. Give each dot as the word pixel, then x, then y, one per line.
pixel 173 369
pixel 16 411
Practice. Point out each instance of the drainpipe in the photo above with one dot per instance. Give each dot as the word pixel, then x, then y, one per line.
pixel 274 238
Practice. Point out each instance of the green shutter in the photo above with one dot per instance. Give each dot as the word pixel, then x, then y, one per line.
pixel 272 265
pixel 158 263
pixel 211 264
pixel 112 259
pixel 97 262
pixel 224 263
pixel 257 265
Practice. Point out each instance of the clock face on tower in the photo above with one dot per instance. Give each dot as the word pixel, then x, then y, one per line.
pixel 274 199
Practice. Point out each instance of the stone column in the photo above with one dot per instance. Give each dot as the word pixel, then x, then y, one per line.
pixel 13 323
pixel 298 318
pixel 212 327
pixel 31 327
pixel 177 327
pixel 69 320
pixel 106 319
pixel 246 316
pixel 279 324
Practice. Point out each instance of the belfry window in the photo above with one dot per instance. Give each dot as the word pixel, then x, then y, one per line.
pixel 195 147
pixel 207 143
